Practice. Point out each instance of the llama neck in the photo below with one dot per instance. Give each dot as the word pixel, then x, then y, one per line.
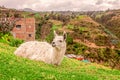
pixel 59 51
pixel 58 54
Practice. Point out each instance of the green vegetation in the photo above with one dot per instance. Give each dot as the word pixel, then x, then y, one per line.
pixel 37 16
pixel 101 40
pixel 110 19
pixel 71 27
pixel 81 30
pixel 9 39
pixel 17 68
pixel 51 35
pixel 81 17
pixel 105 56
pixel 56 22
pixel 69 39
pixel 55 27
pixel 26 14
pixel 76 48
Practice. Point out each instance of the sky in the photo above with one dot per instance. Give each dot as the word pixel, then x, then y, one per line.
pixel 62 5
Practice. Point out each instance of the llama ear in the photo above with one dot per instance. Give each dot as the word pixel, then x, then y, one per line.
pixel 64 35
pixel 55 34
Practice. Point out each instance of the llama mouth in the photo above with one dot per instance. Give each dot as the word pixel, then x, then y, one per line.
pixel 53 45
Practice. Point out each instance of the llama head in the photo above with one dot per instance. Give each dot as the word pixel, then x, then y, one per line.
pixel 59 41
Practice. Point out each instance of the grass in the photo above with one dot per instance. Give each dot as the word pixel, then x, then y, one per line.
pixel 81 16
pixel 17 68
pixel 71 27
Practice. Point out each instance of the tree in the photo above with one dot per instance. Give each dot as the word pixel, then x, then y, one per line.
pixel 6 25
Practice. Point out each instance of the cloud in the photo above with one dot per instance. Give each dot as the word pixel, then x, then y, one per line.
pixel 111 4
pixel 99 2
pixel 58 5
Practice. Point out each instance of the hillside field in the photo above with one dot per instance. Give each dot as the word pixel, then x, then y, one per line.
pixel 17 68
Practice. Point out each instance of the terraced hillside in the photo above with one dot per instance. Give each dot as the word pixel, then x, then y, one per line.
pixel 110 19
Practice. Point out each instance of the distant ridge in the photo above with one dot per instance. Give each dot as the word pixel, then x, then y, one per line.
pixel 28 10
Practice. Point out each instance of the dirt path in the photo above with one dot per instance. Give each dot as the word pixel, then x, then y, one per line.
pixel 89 44
pixel 65 29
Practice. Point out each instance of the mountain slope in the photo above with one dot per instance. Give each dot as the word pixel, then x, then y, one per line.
pixel 28 10
pixel 17 68
pixel 87 29
pixel 110 19
pixel 92 40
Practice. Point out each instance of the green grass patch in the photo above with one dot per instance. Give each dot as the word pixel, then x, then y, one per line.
pixel 71 27
pixel 50 36
pixel 17 68
pixel 9 39
pixel 81 17
pixel 81 29
pixel 55 27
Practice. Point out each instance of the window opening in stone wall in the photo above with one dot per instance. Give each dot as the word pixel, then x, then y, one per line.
pixel 18 26
pixel 30 35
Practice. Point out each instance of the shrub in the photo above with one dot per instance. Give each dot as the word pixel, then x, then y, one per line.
pixel 6 25
pixel 118 45
pixel 79 48
pixel 5 38
pixel 81 17
pixel 55 27
pixel 76 48
pixel 1 34
pixel 49 37
pixel 9 39
pixel 101 40
pixel 69 39
pixel 70 26
pixel 15 42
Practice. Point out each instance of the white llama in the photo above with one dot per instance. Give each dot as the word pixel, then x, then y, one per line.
pixel 43 51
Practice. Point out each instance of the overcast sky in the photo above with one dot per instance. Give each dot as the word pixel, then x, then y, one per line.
pixel 62 5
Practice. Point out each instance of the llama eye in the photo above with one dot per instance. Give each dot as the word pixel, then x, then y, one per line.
pixel 60 40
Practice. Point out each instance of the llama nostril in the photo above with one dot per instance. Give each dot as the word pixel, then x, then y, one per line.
pixel 53 44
